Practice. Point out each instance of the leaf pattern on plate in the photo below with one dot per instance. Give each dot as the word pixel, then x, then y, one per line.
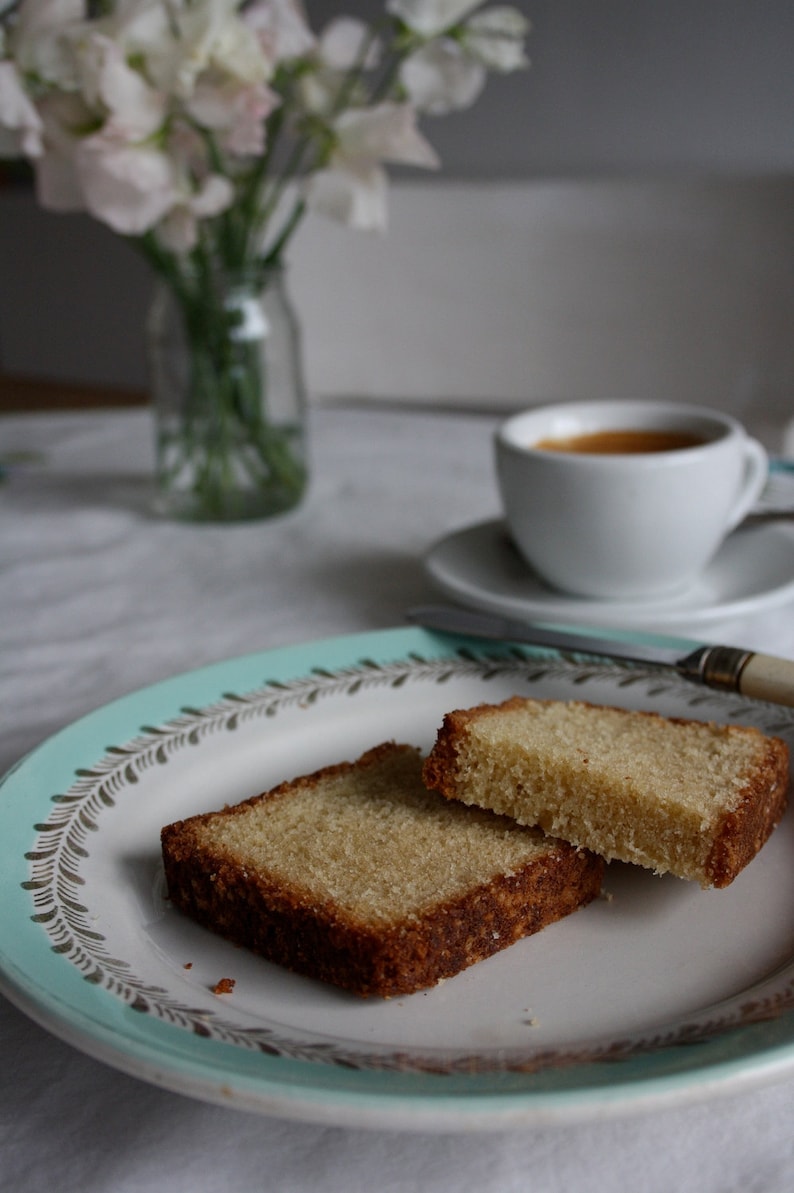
pixel 63 843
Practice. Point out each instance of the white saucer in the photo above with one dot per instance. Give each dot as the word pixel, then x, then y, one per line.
pixel 478 566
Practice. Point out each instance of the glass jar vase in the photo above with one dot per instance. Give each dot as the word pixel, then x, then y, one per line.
pixel 228 396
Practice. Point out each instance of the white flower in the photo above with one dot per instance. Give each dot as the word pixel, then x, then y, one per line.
pixel 154 115
pixel 178 230
pixel 20 124
pixel 346 42
pixel 429 18
pixel 354 195
pixel 441 77
pixel 236 112
pixel 344 46
pixel 143 31
pixel 39 40
pixel 281 29
pixel 496 38
pixel 385 133
pixel 353 186
pixel 176 42
pixel 129 187
pixel 119 92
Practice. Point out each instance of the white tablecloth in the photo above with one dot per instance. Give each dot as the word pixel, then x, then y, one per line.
pixel 98 598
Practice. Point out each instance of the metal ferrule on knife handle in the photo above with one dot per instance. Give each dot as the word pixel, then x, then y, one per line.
pixel 716 666
pixel 760 676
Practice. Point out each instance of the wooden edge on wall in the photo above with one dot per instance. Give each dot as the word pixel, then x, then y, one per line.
pixel 19 395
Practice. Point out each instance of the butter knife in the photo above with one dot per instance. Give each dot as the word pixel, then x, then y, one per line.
pixel 729 668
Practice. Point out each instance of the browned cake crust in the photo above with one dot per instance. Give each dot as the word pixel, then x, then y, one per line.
pixel 741 833
pixel 736 835
pixel 288 925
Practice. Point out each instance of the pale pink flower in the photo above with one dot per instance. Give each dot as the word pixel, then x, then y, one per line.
pixel 143 31
pixel 178 229
pixel 346 42
pixel 150 114
pixel 20 124
pixel 353 186
pixel 441 77
pixel 39 39
pixel 211 36
pixel 236 112
pixel 281 29
pixel 129 187
pixel 429 18
pixel 496 38
pixel 353 194
pixel 386 132
pixel 119 92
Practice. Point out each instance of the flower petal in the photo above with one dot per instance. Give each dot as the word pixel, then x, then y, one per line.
pixel 352 195
pixel 40 43
pixel 281 29
pixel 386 133
pixel 109 82
pixel 237 111
pixel 496 38
pixel 441 77
pixel 18 115
pixel 429 18
pixel 344 40
pixel 128 187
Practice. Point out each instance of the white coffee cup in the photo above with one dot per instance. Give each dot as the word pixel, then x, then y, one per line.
pixel 637 524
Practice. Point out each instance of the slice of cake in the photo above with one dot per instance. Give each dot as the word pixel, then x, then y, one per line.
pixel 359 876
pixel 698 800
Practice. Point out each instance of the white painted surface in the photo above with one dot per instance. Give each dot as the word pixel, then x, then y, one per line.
pixel 507 293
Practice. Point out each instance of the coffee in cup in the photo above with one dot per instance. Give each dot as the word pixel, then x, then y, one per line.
pixel 624 499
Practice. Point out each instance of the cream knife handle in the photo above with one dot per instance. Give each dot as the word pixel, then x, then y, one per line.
pixel 766 678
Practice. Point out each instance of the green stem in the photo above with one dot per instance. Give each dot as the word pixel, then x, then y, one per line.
pixel 226 448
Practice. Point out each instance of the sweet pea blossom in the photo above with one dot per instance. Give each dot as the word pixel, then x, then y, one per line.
pixel 143 30
pixel 175 42
pixel 212 37
pixel 20 124
pixel 237 113
pixel 441 77
pixel 345 46
pixel 447 73
pixel 429 18
pixel 496 38
pixel 178 230
pixel 160 116
pixel 346 42
pixel 280 28
pixel 129 187
pixel 39 40
pixel 114 89
pixel 353 186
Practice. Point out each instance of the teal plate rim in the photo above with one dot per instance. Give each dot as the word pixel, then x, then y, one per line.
pixel 53 982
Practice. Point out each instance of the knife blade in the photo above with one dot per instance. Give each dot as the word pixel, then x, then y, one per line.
pixel 727 668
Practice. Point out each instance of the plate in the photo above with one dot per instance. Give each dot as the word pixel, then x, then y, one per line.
pixel 657 993
pixel 478 566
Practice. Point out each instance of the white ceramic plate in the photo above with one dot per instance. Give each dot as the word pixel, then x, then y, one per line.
pixel 660 993
pixel 478 566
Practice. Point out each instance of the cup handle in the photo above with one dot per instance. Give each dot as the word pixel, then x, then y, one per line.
pixel 756 471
